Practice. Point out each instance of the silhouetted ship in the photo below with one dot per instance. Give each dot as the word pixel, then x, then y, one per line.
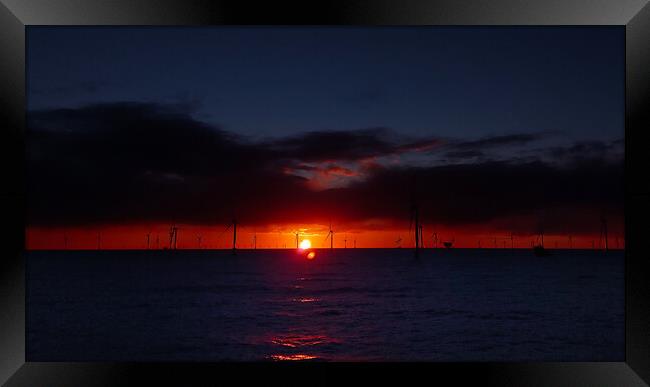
pixel 540 251
pixel 447 244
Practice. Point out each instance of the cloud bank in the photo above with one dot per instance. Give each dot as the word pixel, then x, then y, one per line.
pixel 121 163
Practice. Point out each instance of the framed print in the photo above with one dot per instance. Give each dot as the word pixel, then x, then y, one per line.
pixel 203 188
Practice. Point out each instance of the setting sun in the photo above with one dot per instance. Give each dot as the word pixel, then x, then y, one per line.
pixel 305 244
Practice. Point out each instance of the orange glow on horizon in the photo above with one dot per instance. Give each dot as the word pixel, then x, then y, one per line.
pixel 156 237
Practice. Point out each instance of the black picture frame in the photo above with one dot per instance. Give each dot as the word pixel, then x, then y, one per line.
pixel 15 15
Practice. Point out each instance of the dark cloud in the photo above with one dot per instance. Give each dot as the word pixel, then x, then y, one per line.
pixel 419 146
pixel 334 145
pixel 587 150
pixel 498 141
pixel 343 145
pixel 474 193
pixel 464 154
pixel 136 162
pixel 502 147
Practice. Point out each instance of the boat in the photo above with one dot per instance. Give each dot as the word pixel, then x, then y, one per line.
pixel 540 251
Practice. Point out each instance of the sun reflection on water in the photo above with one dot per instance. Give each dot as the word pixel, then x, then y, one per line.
pixel 297 341
pixel 294 357
pixel 306 299
pixel 300 340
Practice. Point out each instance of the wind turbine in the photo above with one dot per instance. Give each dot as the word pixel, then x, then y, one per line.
pixel 415 218
pixel 234 237
pixel 330 235
pixel 603 233
pixel 173 237
pixel 233 224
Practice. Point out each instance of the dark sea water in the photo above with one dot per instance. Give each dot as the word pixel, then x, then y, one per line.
pixel 344 305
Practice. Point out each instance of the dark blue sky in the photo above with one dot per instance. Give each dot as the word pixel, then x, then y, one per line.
pixel 504 128
pixel 264 81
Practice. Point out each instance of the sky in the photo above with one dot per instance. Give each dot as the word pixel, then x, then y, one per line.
pixel 492 131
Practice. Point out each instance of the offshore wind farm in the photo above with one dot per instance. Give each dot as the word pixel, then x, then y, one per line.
pixel 418 302
pixel 313 193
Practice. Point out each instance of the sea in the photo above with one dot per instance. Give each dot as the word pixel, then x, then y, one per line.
pixel 342 305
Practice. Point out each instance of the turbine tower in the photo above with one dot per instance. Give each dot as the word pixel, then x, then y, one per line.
pixel 330 235
pixel 415 218
pixel 234 237
pixel 173 235
pixel 603 233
